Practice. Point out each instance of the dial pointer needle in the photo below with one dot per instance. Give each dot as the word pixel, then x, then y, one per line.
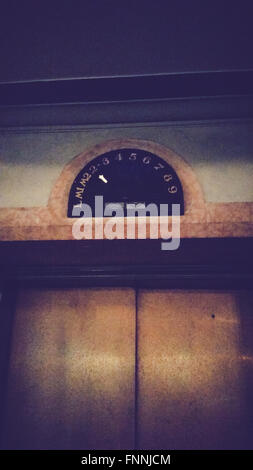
pixel 102 178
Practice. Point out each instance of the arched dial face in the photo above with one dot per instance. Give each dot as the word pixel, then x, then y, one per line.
pixel 126 176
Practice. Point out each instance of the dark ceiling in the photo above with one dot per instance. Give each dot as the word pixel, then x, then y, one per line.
pixel 106 38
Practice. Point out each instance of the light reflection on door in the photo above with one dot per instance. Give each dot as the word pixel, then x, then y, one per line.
pixel 71 383
pixel 195 356
pixel 86 373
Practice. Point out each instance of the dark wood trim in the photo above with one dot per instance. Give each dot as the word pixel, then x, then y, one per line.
pixel 7 312
pixel 205 263
pixel 159 276
pixel 197 251
pixel 77 116
pixel 114 89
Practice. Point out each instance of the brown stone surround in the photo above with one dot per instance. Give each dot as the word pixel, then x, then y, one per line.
pixel 202 219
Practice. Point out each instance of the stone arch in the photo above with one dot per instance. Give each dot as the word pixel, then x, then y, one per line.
pixel 193 193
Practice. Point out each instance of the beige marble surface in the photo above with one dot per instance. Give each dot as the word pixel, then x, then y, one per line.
pixel 201 219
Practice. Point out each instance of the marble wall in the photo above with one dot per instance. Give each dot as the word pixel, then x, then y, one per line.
pixel 218 154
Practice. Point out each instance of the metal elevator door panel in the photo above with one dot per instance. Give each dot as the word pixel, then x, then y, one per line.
pixel 91 369
pixel 72 370
pixel 195 370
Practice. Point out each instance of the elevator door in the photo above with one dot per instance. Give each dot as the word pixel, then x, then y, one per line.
pixel 72 370
pixel 195 363
pixel 119 369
